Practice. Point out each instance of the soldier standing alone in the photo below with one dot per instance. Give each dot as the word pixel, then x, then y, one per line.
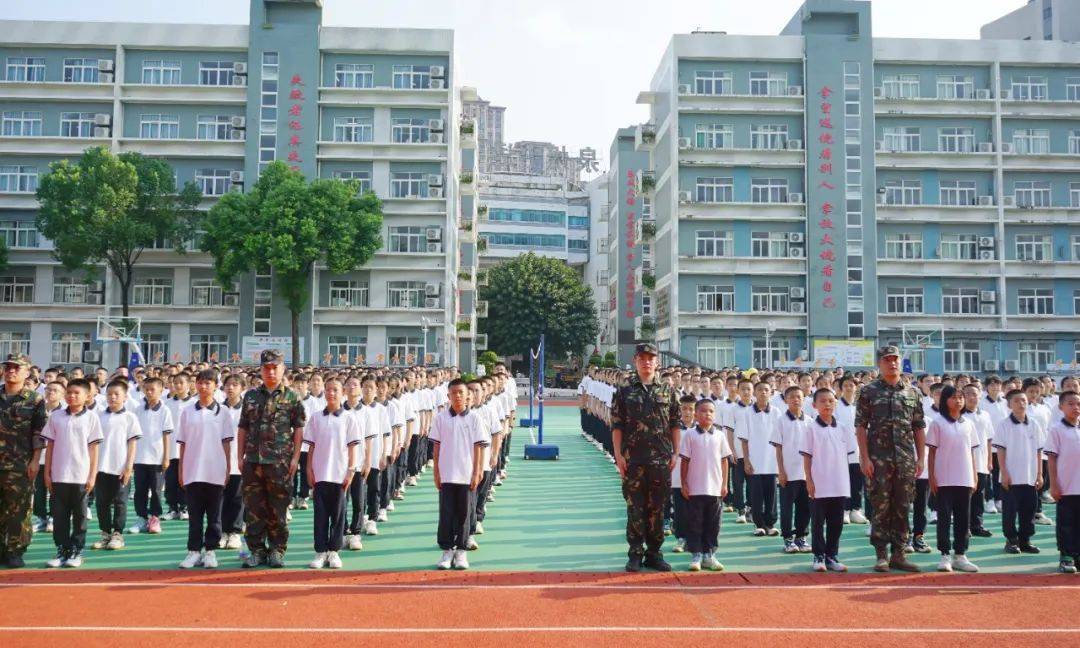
pixel 645 433
pixel 22 417
pixel 892 433
pixel 269 436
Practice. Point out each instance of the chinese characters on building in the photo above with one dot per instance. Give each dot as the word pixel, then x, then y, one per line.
pixel 630 232
pixel 296 95
pixel 825 209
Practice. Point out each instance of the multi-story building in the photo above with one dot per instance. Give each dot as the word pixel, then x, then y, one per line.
pixel 825 189
pixel 218 103
pixel 596 273
pixel 490 120
pixel 1038 20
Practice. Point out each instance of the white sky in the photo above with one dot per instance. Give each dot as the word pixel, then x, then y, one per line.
pixel 568 71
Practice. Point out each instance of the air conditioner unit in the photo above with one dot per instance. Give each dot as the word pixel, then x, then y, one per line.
pixel 97 286
pixel 102 119
pixel 236 177
pixel 882 198
pixel 1008 201
pixel 794 91
pixel 798 292
pixel 434 358
pixel 685 89
pixel 482 308
pixel 431 302
pixel 684 143
pixel 686 196
pixel 97 299
pixel 986 255
pixel 798 307
pixel 434 192
pixel 879 145
pixel 987 296
pixel 796 237
pixel 435 124
pixel 1006 95
pixel 91 356
pixel 982 94
pixel 795 197
pixel 1007 147
pixel 987 309
pixel 436 138
pixel 986 201
pixel 238 121
pixel 879 92
pixel 986 241
pixel 434 248
pixel 238 134
pixel 438 84
pixel 230 299
pixel 1011 365
pixel 101 132
pixel 438 72
pixel 990 365
pixel 238 80
pixel 434 233
pixel 239 67
pixel 435 180
pixel 431 289
pixel 481 342
pixel 105 65
pixel 794 145
pixel 796 252
pixel 986 147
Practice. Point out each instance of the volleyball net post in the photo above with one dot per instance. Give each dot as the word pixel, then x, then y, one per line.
pixel 538 449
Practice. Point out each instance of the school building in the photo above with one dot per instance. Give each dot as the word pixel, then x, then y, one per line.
pixel 823 185
pixel 219 103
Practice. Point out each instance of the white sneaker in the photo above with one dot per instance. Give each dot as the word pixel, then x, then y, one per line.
pixel 139 526
pixel 55 561
pixel 355 544
pixel 101 542
pixel 711 563
pixel 192 559
pixel 333 560
pixel 740 519
pixel 990 507
pixel 998 506
pixel 1047 498
pixel 695 562
pixel 319 561
pixel 945 565
pixel 74 560
pixel 390 506
pixel 446 561
pixel 288 516
pixel 460 560
pixel 383 516
pixel 960 562
pixel 233 541
pixel 411 481
pixel 116 541
pixel 1040 518
pixel 183 515
pixel 209 560
pixel 479 528
pixel 49 525
pixel 857 517
pixel 370 528
pixel 867 532
pixel 89 514
pixel 170 516
pixel 759 532
pixel 932 518
pixel 819 564
pixel 680 546
pixel 471 545
pixel 847 517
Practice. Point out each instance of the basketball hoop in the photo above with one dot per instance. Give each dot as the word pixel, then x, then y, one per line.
pixel 111 329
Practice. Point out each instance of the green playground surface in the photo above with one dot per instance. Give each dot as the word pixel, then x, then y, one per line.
pixel 565 515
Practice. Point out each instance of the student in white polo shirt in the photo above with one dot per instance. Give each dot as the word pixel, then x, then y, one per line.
pixel 703 467
pixel 826 447
pixel 459 442
pixel 794 500
pixel 984 429
pixel 376 388
pixel 179 399
pixel 845 413
pixel 204 435
pixel 120 431
pixel 759 459
pixel 1063 452
pixel 1018 440
pixel 687 415
pixel 151 456
pixel 995 405
pixel 73 436
pixel 333 439
pixel 232 499
pixel 954 443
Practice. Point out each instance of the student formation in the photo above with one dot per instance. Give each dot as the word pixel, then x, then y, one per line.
pixel 187 443
pixel 1005 447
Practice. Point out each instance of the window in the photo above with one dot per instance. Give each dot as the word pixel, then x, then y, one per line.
pixel 768 190
pixel 958 192
pixel 715 190
pixel 903 192
pixel 1035 357
pixel 900 86
pixel 13 342
pixel 67 348
pixel 354 75
pixel 1072 88
pixel 262 304
pixel 18 234
pixel 213 182
pixel 714 136
pixel 268 112
pixel 160 72
pixel 216 73
pixel 1031 141
pixel 1034 247
pixel 540 216
pixel 955 86
pixel 769 245
pixel 21 123
pixel 408 185
pixel 346 348
pixel 715 299
pixel 646 304
pixel 158 126
pixel 903 246
pixel 577 244
pixel 904 300
pixel 401 349
pixel 15 289
pixel 1075 247
pixel 768 84
pixel 1076 302
pixel 960 301
pixel 1029 88
pixel 714 243
pixel 207 292
pixel 407 239
pixel 361 177
pixel 526 241
pixel 213 127
pixel 768 136
pixel 767 355
pixel 1074 193
pixel 69 290
pixel 152 292
pixel 25 68
pixel 956 140
pixel 18 179
pixel 716 352
pixel 1074 142
pixel 959 246
pixel 1035 301
pixel 353 129
pixel 579 222
pixel 712 82
pixel 416 77
pixel 209 347
pixel 346 293
pixel 405 294
pixel 80 70
pixel 906 139
pixel 1032 193
pixel 155 346
pixel 410 131
pixel 962 355
pixel 770 299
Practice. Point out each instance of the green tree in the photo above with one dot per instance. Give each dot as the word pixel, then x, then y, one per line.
pixel 288 224
pixel 107 209
pixel 488 359
pixel 609 360
pixel 530 295
pixel 595 360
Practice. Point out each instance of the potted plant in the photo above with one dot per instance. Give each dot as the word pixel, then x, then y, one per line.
pixel 466 177
pixel 648 230
pixel 648 280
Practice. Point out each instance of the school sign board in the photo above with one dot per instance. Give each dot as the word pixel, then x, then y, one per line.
pixel 253 345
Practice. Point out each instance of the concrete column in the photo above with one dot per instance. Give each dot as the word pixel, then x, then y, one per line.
pixel 43 284
pixel 182 286
pixel 41 343
pixel 376 344
pixel 382 126
pixel 179 341
pixel 380 178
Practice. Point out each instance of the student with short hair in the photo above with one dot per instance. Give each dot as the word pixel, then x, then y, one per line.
pixel 687 409
pixel 180 398
pixel 1018 440
pixel 826 447
pixel 703 467
pixel 120 431
pixel 984 429
pixel 794 500
pixel 954 443
pixel 333 438
pixel 151 455
pixel 232 498
pixel 1063 454
pixel 760 459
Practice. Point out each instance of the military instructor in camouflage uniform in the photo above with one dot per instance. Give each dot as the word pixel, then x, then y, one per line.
pixel 645 433
pixel 892 434
pixel 269 436
pixel 22 418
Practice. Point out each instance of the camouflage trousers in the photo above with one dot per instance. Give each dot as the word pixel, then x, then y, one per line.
pixel 891 492
pixel 16 490
pixel 646 490
pixel 267 493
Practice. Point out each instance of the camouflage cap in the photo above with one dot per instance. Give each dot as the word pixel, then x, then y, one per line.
pixel 17 359
pixel 271 356
pixel 646 347
pixel 886 351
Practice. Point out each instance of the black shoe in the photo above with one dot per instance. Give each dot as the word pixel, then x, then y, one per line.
pixel 633 564
pixel 919 545
pixel 1011 548
pixel 1029 548
pixel 15 561
pixel 982 533
pixel 657 563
